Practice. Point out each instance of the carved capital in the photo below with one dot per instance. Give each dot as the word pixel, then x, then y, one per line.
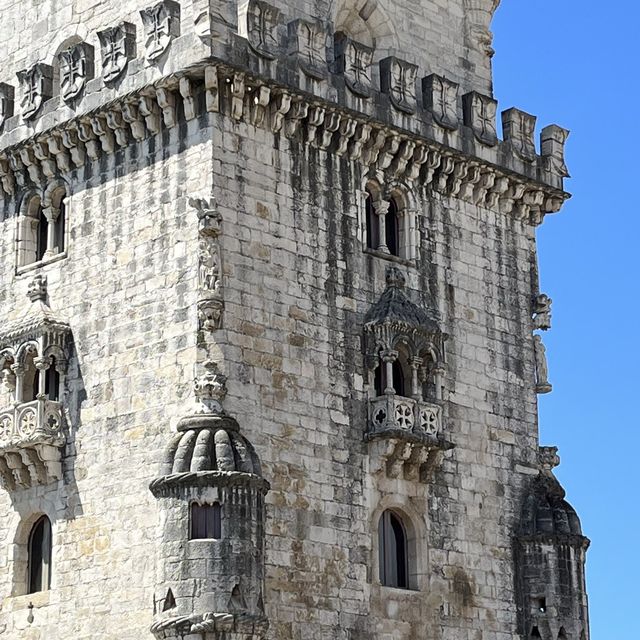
pixel 441 98
pixel 398 81
pixel 118 46
pixel 161 25
pixel 353 62
pixel 308 45
pixel 37 289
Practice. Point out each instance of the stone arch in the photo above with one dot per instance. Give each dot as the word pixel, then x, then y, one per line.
pixel 367 22
pixel 31 229
pixel 20 555
pixel 416 532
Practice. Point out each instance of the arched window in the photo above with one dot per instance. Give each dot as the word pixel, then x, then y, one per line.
pixel 373 230
pixel 397 382
pixel 30 377
pixel 392 228
pixel 562 634
pixel 393 551
pixel 40 556
pixel 32 231
pixel 206 521
pixel 535 633
pixel 52 382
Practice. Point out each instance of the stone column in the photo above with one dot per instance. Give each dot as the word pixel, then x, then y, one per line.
pixel 18 370
pixel 389 357
pixel 42 365
pixel 381 208
pixel 51 214
pixel 416 363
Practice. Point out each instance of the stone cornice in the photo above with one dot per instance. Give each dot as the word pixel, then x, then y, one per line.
pixel 431 138
pixel 175 483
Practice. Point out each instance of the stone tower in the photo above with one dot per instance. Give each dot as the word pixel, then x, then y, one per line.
pixel 271 329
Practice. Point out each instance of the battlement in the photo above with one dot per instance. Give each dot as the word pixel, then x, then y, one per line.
pixel 292 76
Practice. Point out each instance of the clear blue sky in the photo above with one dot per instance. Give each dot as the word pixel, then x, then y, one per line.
pixel 577 64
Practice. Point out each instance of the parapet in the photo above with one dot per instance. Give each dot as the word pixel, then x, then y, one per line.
pixel 253 64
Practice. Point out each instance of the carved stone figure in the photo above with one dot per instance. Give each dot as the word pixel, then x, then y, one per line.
pixel 480 115
pixel 37 88
pixel 518 128
pixel 308 43
pixel 161 25
pixel 118 47
pixel 210 389
pixel 398 80
pixel 209 272
pixel 542 312
pixel 542 370
pixel 441 97
pixel 552 141
pixel 259 23
pixel 353 61
pixel 7 96
pixel 480 14
pixel 76 68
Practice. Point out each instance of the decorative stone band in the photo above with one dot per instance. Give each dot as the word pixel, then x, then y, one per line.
pixel 400 153
pixel 174 484
pixel 569 540
pixel 230 626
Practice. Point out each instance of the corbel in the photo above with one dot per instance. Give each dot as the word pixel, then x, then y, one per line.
pixel 405 153
pixel 296 114
pixel 447 165
pixel 280 108
pixel 496 192
pixel 105 135
pixel 374 145
pixel 360 139
pixel 420 156
pixel 315 120
pixel 388 152
pixel 431 166
pixel 167 103
pixel 487 180
pixel 148 108
pixel 43 155
pixel 30 162
pixel 117 124
pixel 331 125
pixel 86 135
pixel 238 89
pixel 59 151
pixel 259 104
pixel 131 115
pixel 474 173
pixel 6 176
pixel 76 148
pixel 457 177
pixel 188 101
pixel 348 128
pixel 18 169
pixel 212 94
pixel 514 193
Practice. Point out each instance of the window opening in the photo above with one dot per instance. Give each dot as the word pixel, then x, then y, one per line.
pixel 40 556
pixel 43 234
pixel 392 543
pixel 372 222
pixel 392 228
pixel 206 521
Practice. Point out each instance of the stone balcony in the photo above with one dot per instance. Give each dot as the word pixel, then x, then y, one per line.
pixel 31 438
pixel 405 436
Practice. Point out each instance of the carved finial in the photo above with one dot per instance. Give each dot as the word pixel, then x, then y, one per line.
pixel 210 389
pixel 38 289
pixel 395 277
pixel 548 458
pixel 209 217
pixel 542 312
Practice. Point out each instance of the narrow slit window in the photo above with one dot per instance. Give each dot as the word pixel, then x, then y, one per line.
pixel 392 229
pixel 206 521
pixel 40 556
pixel 372 223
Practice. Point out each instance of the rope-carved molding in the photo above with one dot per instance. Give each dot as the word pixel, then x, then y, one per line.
pixel 408 135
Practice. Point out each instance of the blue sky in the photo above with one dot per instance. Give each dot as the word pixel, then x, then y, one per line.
pixel 577 65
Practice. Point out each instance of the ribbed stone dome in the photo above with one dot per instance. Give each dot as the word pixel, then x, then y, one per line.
pixel 211 449
pixel 546 512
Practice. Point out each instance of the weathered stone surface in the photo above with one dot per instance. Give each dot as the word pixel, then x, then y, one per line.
pixel 215 213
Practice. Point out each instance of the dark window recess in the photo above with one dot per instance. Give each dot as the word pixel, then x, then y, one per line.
pixel 40 556
pixel 373 229
pixel 206 521
pixel 43 232
pixel 398 378
pixel 392 544
pixel 379 379
pixel 60 228
pixel 52 383
pixel 391 228
pixel 535 633
pixel 542 605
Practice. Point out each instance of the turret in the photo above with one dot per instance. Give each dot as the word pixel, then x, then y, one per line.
pixel 550 553
pixel 211 502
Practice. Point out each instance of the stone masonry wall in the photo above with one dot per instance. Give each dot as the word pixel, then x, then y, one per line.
pixel 125 288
